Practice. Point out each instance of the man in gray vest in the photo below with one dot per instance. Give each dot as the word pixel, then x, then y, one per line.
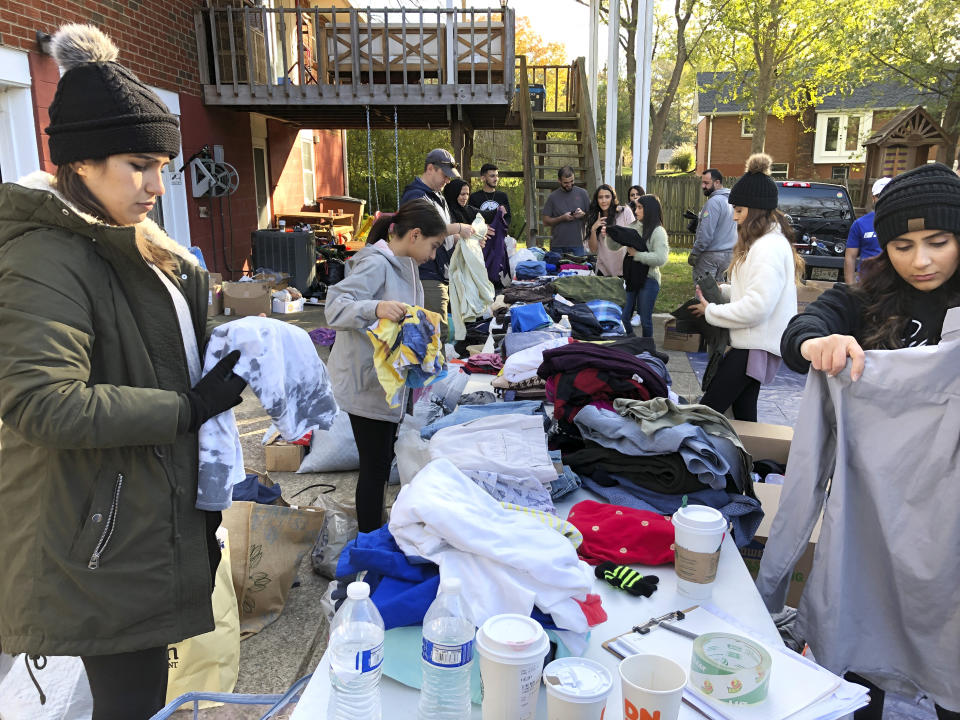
pixel 716 231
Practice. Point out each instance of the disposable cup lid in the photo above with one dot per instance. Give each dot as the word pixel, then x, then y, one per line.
pixel 700 518
pixel 512 637
pixel 578 679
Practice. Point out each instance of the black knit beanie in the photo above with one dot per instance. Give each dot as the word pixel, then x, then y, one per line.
pixel 756 189
pixel 925 198
pixel 101 108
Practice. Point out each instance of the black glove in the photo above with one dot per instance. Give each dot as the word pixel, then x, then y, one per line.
pixel 217 391
pixel 626 578
pixel 694 220
pixel 692 259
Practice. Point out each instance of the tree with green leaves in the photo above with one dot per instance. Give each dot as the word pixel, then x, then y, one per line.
pixel 916 41
pixel 784 54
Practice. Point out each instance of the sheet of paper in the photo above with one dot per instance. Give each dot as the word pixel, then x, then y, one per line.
pixel 795 683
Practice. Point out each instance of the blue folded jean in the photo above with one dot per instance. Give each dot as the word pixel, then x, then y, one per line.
pixel 466 413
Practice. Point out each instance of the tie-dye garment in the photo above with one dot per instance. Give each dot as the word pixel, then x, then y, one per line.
pixel 407 354
pixel 279 362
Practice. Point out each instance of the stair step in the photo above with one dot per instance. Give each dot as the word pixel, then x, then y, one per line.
pixel 537 115
pixel 555 168
pixel 557 142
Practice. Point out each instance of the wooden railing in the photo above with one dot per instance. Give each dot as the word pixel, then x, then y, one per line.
pixel 526 127
pixel 401 51
pixel 555 80
pixel 580 94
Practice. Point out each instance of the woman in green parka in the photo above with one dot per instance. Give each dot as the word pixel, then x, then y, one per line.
pixel 103 320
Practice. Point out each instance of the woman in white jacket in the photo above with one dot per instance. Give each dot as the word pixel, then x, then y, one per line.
pixel 761 296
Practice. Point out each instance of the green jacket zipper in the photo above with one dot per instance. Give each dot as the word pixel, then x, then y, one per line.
pixel 109 527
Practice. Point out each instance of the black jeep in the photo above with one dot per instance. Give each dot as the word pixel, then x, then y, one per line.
pixel 821 215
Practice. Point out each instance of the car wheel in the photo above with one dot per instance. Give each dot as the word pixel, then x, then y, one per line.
pixel 839 248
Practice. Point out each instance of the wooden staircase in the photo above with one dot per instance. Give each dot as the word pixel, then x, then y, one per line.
pixel 560 135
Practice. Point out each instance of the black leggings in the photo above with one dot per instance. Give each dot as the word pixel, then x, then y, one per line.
pixel 128 686
pixel 874 711
pixel 375 440
pixel 731 386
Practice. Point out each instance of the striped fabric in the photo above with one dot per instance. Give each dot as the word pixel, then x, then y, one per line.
pixel 559 524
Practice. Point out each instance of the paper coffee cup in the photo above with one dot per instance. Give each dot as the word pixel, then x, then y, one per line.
pixel 652 687
pixel 698 532
pixel 577 689
pixel 510 651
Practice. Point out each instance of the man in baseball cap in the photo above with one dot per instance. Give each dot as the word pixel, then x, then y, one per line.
pixel 439 168
pixel 862 242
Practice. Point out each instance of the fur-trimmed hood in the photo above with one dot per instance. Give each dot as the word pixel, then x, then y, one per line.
pixel 25 205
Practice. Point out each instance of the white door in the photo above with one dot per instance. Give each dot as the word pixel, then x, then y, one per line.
pixel 18 131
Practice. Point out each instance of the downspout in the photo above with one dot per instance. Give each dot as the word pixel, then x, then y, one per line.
pixel 709 142
pixel 346 163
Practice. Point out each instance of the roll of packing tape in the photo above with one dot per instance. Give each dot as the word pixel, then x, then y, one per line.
pixel 730 668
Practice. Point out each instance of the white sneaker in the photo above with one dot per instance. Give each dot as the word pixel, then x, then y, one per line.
pixel 635 320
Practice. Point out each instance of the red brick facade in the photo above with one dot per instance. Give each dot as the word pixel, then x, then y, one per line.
pixel 788 141
pixel 157 41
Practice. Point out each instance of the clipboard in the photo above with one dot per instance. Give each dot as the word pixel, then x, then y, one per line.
pixel 652 623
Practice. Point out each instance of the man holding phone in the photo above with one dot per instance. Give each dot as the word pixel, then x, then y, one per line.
pixel 564 212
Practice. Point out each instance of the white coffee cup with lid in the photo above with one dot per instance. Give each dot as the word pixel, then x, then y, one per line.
pixel 510 649
pixel 577 689
pixel 698 533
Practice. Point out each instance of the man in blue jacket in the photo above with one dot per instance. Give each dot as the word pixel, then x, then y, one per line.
pixel 862 243
pixel 716 231
pixel 439 169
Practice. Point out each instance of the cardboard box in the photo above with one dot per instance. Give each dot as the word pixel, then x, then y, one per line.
pixel 810 291
pixel 684 342
pixel 246 298
pixel 284 457
pixel 290 306
pixel 763 441
pixel 215 302
pixel 769 496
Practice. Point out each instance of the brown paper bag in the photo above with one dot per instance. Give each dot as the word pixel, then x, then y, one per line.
pixel 210 662
pixel 267 543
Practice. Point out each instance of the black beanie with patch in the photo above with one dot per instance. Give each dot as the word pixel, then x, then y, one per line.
pixel 101 108
pixel 925 198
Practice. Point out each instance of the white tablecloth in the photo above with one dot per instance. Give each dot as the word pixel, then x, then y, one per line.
pixel 734 592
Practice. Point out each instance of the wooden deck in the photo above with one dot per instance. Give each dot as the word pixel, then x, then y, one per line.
pixel 312 65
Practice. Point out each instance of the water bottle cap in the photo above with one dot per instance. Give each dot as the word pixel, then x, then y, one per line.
pixel 358 591
pixel 451 584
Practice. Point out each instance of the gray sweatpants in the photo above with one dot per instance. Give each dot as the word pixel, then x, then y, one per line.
pixel 713 263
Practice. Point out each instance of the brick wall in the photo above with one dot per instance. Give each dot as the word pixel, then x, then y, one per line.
pixel 729 151
pixel 156 39
pixel 202 125
pixel 286 166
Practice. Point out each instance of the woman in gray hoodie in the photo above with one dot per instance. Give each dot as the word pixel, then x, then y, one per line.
pixel 381 282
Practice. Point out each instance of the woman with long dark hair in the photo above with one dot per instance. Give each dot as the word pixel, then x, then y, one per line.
pixel 604 212
pixel 762 294
pixel 901 302
pixel 634 192
pixel 641 268
pixel 381 282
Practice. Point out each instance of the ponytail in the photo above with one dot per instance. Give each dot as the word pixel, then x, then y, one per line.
pixel 419 213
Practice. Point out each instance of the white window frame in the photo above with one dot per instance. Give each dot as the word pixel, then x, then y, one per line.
pixel 19 154
pixel 744 119
pixel 306 137
pixel 780 171
pixel 841 155
pixel 176 212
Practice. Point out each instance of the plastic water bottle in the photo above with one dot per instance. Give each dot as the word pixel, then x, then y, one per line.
pixel 447 657
pixel 356 654
pixel 565 322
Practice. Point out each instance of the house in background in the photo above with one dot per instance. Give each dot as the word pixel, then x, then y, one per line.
pixel 825 143
pixel 279 167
